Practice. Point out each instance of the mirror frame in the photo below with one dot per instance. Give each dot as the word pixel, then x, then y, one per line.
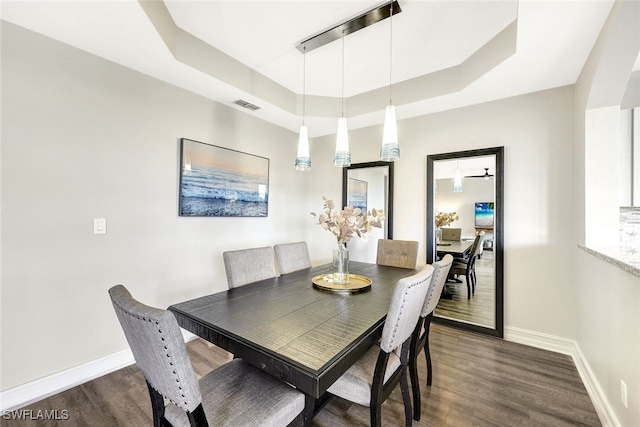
pixel 498 248
pixel 388 214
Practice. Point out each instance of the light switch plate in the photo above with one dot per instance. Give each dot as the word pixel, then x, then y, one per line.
pixel 100 226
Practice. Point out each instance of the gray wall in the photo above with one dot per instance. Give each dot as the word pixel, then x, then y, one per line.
pixel 607 298
pixel 84 138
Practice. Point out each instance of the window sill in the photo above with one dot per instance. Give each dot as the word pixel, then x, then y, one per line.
pixel 627 262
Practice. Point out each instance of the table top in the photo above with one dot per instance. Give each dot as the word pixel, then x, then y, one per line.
pixel 303 335
pixel 456 248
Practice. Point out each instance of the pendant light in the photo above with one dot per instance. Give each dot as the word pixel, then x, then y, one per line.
pixel 342 157
pixel 390 150
pixel 303 159
pixel 457 180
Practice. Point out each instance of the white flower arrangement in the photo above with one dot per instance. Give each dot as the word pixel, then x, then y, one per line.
pixel 348 222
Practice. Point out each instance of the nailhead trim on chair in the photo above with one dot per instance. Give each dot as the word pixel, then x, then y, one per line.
pixel 404 299
pixel 168 355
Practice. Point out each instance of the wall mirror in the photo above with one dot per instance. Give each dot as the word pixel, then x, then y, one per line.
pixel 368 186
pixel 469 183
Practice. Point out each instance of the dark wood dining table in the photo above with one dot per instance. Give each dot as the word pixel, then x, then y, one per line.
pixel 456 248
pixel 305 336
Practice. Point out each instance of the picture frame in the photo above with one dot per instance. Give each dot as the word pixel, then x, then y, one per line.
pixel 484 214
pixel 357 194
pixel 221 182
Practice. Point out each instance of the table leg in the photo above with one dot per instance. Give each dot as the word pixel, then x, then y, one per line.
pixel 309 409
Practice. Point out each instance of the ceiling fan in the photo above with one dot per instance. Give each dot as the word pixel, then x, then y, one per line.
pixel 486 175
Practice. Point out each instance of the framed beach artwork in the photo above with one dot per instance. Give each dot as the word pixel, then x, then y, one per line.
pixel 357 194
pixel 484 214
pixel 217 181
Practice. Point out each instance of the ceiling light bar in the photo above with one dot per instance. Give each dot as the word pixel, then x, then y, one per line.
pixel 351 26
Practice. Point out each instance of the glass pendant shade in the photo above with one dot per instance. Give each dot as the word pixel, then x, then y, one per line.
pixel 457 181
pixel 390 151
pixel 343 156
pixel 303 160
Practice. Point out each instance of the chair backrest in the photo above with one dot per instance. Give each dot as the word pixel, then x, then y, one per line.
pixel 397 253
pixel 477 249
pixel 292 257
pixel 408 297
pixel 450 234
pixel 249 265
pixel 158 348
pixel 438 279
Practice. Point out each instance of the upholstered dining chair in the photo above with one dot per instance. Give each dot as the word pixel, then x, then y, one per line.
pixel 451 234
pixel 292 257
pixel 249 265
pixel 234 394
pixel 466 266
pixel 397 253
pixel 372 378
pixel 420 338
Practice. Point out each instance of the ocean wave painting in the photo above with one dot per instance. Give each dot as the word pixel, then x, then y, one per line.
pixel 216 181
pixel 357 194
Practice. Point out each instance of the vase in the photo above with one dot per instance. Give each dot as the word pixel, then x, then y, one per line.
pixel 341 265
pixel 438 235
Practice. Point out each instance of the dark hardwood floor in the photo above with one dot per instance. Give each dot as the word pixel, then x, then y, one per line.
pixel 479 309
pixel 478 381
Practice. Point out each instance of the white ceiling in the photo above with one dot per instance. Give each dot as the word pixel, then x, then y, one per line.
pixel 446 54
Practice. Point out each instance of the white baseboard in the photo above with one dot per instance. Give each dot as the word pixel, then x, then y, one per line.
pixel 33 391
pixel 571 348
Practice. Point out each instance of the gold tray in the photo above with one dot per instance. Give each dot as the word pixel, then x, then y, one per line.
pixel 356 284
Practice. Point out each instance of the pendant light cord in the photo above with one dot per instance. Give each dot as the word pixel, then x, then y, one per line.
pixel 343 72
pixel 304 82
pixel 390 47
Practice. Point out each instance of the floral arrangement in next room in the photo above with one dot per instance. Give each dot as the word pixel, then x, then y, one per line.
pixel 348 222
pixel 445 218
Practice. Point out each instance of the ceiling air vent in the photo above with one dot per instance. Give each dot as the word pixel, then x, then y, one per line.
pixel 247 105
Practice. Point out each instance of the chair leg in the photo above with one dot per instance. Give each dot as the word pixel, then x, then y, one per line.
pixel 415 385
pixel 404 387
pixel 474 280
pixel 157 405
pixel 427 355
pixel 468 276
pixel 376 415
pixel 197 418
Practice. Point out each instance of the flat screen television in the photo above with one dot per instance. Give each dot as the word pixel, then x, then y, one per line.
pixel 484 214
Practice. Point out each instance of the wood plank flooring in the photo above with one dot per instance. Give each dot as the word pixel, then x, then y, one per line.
pixel 480 309
pixel 478 381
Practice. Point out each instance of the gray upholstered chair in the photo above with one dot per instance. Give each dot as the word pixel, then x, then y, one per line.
pixel 292 257
pixel 249 265
pixel 232 395
pixel 397 253
pixel 377 373
pixel 466 267
pixel 420 338
pixel 451 234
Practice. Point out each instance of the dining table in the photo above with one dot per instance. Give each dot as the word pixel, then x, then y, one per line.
pixel 456 248
pixel 291 329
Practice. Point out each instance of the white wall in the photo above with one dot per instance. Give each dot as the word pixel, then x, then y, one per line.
pixel 608 298
pixel 463 203
pixel 84 138
pixel 537 133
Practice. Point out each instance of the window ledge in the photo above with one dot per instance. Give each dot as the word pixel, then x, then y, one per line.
pixel 627 262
